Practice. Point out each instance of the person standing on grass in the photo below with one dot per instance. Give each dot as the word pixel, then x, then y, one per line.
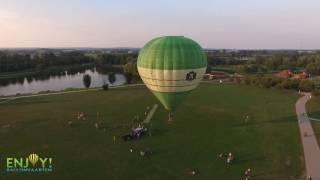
pixel 114 139
pixel 248 174
pixel 230 158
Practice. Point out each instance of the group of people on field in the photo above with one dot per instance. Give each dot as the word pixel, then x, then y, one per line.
pixel 229 157
pixel 138 131
pixel 229 160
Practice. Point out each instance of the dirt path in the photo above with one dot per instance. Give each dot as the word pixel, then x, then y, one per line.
pixel 309 141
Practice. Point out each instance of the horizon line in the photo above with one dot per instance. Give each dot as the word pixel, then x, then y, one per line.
pixel 120 47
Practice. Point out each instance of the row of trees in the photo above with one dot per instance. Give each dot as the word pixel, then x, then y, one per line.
pixel 277 82
pixel 114 59
pixel 86 79
pixel 10 62
pixel 249 69
pixel 262 61
pixel 308 62
pixel 19 62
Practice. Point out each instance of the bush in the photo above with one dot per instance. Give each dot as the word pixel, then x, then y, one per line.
pixel 313 68
pixel 266 82
pixel 86 80
pixel 306 85
pixel 275 81
pixel 237 80
pixel 128 77
pixel 289 84
pixel 316 92
pixel 269 82
pixel 105 87
pixel 246 81
pixel 112 77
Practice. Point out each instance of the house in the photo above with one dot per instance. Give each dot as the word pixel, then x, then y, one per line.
pixel 285 74
pixel 294 75
pixel 302 75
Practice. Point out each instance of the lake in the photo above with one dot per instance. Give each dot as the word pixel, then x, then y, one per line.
pixel 65 80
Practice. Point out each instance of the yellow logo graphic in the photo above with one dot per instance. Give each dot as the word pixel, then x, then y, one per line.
pixel 33 158
pixel 31 163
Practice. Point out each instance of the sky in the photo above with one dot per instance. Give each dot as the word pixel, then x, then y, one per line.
pixel 230 24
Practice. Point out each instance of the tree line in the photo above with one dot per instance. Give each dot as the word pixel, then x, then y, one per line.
pixel 250 63
pixel 262 64
pixel 278 82
pixel 11 62
pixel 240 62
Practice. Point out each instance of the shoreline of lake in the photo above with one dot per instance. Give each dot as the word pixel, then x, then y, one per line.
pixel 57 81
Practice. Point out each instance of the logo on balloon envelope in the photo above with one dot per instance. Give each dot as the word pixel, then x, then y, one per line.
pixel 30 163
pixel 191 76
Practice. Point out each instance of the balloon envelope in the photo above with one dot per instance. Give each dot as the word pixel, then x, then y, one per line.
pixel 171 67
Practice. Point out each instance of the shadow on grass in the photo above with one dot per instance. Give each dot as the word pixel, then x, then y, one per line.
pixel 314 114
pixel 288 119
pixel 159 132
pixel 245 158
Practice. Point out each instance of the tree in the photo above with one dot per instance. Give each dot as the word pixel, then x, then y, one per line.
pixel 209 69
pixel 130 67
pixel 313 68
pixel 86 80
pixel 130 71
pixel 290 84
pixel 112 77
pixel 105 87
pixel 128 77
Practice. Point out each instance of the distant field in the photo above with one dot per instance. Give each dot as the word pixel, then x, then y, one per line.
pixel 313 107
pixel 211 121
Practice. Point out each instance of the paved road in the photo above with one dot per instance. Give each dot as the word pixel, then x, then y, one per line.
pixel 309 141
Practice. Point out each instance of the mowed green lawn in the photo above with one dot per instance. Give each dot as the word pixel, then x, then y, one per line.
pixel 211 121
pixel 313 107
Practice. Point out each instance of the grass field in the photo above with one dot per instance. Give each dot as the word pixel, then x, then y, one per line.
pixel 211 121
pixel 313 107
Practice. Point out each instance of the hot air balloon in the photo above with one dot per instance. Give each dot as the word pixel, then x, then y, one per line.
pixel 33 158
pixel 171 67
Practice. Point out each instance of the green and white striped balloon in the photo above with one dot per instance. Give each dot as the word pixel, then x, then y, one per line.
pixel 171 67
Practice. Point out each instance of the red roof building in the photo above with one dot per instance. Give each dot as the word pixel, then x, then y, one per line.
pixel 285 74
pixel 289 74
